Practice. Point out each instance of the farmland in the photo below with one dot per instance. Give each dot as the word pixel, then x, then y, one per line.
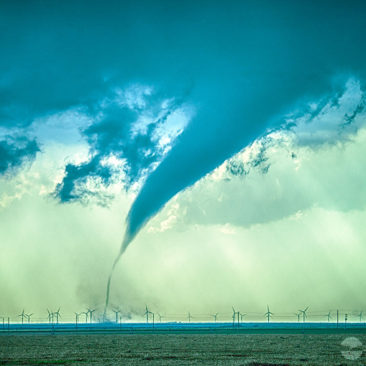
pixel 176 349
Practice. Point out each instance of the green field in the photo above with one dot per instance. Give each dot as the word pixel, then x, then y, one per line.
pixel 173 349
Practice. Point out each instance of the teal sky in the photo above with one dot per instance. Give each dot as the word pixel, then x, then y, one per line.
pixel 224 142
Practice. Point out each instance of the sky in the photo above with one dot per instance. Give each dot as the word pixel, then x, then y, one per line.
pixel 221 147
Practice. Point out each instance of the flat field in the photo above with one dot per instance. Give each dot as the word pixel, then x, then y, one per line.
pixel 180 349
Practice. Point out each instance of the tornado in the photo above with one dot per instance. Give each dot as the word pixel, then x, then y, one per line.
pixel 230 117
pixel 249 67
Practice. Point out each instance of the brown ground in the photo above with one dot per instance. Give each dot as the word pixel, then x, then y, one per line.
pixel 157 349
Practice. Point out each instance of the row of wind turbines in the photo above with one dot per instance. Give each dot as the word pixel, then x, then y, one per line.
pixel 237 316
pixel 148 313
pixel 54 316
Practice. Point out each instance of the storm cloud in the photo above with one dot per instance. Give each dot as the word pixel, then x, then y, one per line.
pixel 16 151
pixel 245 64
pixel 129 135
pixel 234 116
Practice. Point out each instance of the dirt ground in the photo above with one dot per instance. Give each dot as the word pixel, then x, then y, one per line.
pixel 157 349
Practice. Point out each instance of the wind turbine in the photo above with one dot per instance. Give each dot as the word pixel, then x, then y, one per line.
pixel 298 316
pixel 303 312
pixel 22 315
pixel 329 316
pixel 91 315
pixel 28 316
pixel 360 316
pixel 86 313
pixel 215 316
pixel 160 317
pixel 50 316
pixel 189 317
pixel 116 312
pixel 77 318
pixel 57 315
pixel 242 315
pixel 153 316
pixel 235 313
pixel 147 312
pixel 268 314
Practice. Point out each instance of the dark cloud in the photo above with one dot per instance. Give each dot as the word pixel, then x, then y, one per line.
pixel 349 118
pixel 73 185
pixel 14 152
pixel 333 120
pixel 113 134
pixel 257 160
pixel 292 187
pixel 236 168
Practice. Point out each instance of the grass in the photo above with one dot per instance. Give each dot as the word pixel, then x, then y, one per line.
pixel 177 350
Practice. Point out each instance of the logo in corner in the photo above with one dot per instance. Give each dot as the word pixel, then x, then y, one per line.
pixel 352 348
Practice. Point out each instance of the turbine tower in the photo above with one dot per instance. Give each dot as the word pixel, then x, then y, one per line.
pixel 360 316
pixel 298 316
pixel 189 316
pixel 50 316
pixel 329 316
pixel 215 316
pixel 22 315
pixel 77 318
pixel 147 312
pixel 268 314
pixel 91 315
pixel 235 313
pixel 116 312
pixel 303 312
pixel 86 313
pixel 153 316
pixel 28 316
pixel 57 315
